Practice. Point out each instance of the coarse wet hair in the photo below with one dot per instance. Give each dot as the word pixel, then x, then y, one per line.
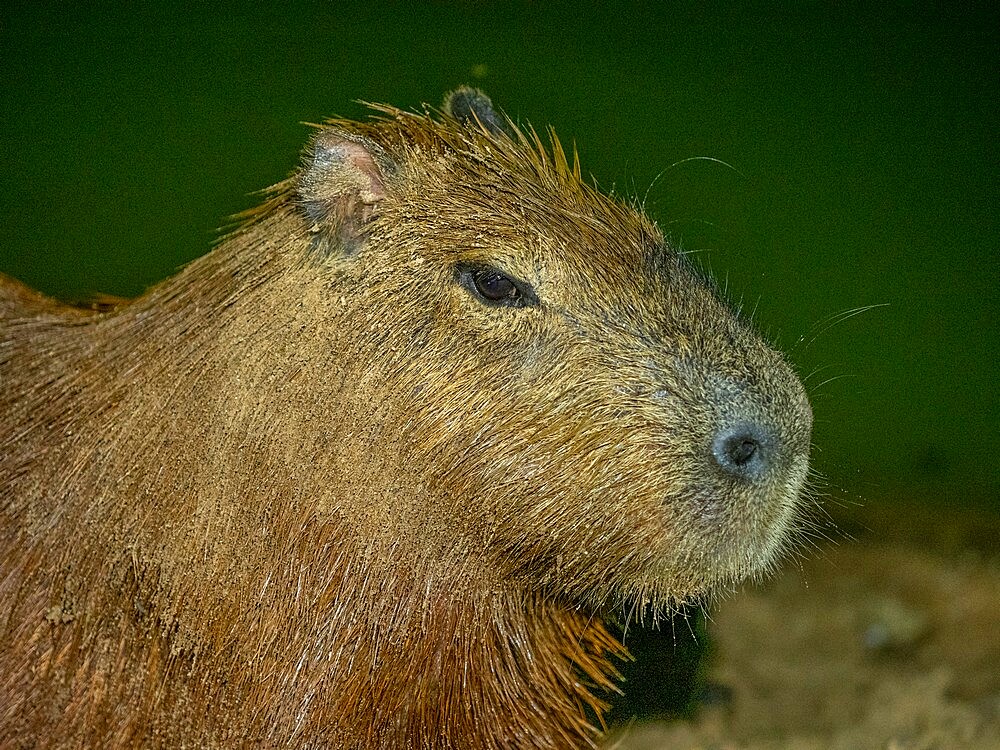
pixel 366 475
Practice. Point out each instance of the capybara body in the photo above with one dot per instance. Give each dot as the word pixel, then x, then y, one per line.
pixel 364 475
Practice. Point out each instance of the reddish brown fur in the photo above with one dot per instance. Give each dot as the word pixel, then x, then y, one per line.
pixel 310 492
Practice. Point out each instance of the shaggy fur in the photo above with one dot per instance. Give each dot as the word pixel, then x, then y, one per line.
pixel 312 492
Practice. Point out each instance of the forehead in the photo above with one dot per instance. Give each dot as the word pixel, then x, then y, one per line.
pixel 514 199
pixel 523 205
pixel 604 252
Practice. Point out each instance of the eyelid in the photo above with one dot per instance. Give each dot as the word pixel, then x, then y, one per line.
pixel 465 272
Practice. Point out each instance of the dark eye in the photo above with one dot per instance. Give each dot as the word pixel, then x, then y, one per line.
pixel 494 287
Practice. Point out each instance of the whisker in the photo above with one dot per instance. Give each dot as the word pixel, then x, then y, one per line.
pixel 830 380
pixel 825 324
pixel 685 161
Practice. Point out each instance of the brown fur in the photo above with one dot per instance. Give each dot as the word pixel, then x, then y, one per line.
pixel 310 492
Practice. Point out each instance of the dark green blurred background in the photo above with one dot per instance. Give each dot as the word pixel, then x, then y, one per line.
pixel 862 143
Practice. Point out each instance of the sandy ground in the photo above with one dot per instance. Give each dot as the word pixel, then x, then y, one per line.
pixel 889 639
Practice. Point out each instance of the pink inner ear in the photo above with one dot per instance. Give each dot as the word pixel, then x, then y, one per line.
pixel 343 165
pixel 342 183
pixel 364 164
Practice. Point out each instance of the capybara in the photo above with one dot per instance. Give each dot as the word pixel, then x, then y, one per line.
pixel 367 474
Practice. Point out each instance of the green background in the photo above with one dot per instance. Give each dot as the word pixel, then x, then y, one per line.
pixel 862 146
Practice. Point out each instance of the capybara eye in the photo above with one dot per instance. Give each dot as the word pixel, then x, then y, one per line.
pixel 494 287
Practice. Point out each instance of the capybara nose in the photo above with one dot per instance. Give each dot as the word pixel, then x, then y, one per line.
pixel 745 449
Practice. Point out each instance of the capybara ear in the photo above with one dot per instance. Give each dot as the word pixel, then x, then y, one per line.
pixel 473 108
pixel 341 186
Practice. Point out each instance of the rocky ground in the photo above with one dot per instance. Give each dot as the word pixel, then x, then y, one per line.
pixel 886 639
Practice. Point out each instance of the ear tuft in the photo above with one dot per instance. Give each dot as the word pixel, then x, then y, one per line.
pixel 341 186
pixel 473 108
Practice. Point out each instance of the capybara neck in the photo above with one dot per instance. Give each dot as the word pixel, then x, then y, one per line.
pixel 399 636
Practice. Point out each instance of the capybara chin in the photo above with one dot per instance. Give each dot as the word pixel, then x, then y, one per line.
pixel 365 474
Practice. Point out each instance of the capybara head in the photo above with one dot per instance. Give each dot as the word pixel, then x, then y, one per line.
pixel 577 400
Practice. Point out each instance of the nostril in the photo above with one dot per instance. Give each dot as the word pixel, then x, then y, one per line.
pixel 742 449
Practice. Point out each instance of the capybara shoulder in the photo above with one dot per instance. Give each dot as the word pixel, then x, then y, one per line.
pixel 366 474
